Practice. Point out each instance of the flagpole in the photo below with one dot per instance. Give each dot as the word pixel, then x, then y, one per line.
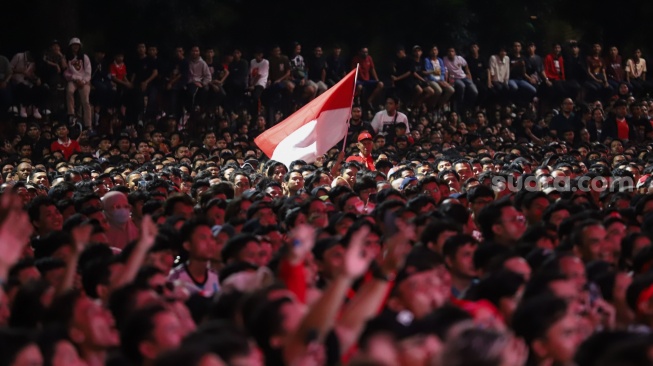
pixel 353 95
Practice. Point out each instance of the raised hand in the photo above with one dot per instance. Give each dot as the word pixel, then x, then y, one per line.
pixel 15 230
pixel 397 247
pixel 149 230
pixel 81 236
pixel 357 258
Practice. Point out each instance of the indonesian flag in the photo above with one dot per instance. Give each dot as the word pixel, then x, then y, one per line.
pixel 314 129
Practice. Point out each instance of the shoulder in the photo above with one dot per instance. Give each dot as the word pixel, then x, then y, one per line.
pixel 176 272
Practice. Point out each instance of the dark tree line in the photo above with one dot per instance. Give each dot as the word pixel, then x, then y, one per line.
pixel 381 25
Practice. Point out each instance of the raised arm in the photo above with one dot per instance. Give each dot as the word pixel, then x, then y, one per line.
pixel 148 234
pixel 322 315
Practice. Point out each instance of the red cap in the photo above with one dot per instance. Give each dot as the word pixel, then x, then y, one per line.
pixel 364 135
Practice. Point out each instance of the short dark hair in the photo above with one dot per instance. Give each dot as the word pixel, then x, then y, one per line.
pixel 188 228
pixel 235 245
pixel 452 244
pixel 34 207
pixel 137 328
pixel 490 215
pixel 534 317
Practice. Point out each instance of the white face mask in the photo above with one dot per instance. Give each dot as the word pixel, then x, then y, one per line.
pixel 118 216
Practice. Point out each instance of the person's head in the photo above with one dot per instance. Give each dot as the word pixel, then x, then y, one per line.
pixel 533 206
pixel 549 329
pixel 90 326
pixel 293 181
pixel 458 252
pixel 365 144
pixel 18 347
pixel 197 239
pixel 620 108
pixel 464 170
pixel 116 208
pixel 329 255
pixel 195 53
pixel 391 104
pixel 148 332
pixel 501 222
pixel 57 348
pixel 44 215
pixel 241 182
pixel 23 171
pixel 246 248
pixel 178 205
pixel 422 285
pixel 588 238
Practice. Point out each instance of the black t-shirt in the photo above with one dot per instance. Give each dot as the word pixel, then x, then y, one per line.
pixel 177 67
pixel 143 68
pixel 100 71
pixel 403 65
pixel 517 67
pixel 336 68
pixel 315 66
pixel 575 68
pixel 641 122
pixel 238 72
pixel 478 68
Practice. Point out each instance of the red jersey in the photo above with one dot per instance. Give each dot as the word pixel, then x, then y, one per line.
pixel 364 66
pixel 67 149
pixel 118 71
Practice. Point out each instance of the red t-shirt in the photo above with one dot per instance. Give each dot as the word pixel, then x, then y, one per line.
pixel 623 129
pixel 66 149
pixel 368 162
pixel 118 71
pixel 365 65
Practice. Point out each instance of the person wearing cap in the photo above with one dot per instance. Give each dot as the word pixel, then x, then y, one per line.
pixel 365 147
pixel 78 77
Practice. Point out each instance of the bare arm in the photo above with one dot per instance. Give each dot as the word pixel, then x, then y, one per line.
pixel 321 316
pixel 81 237
pixel 148 234
pixel 371 295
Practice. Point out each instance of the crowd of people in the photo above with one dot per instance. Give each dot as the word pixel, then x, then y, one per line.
pixel 504 221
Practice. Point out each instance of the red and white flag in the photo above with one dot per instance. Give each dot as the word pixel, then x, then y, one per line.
pixel 314 129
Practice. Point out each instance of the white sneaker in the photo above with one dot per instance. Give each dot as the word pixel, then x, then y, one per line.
pixel 47 112
pixel 13 109
pixel 23 112
pixel 37 114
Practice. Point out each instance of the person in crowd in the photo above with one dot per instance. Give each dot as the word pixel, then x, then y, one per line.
pixel 515 236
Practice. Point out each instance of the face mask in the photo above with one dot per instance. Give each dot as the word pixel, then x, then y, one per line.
pixel 118 216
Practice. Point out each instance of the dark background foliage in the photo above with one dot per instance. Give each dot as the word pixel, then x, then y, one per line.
pixel 381 25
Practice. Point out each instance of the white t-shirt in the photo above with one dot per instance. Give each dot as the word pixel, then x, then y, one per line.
pixel 383 123
pixel 181 276
pixel 261 69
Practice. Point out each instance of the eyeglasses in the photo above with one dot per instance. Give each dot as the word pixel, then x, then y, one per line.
pixel 518 219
